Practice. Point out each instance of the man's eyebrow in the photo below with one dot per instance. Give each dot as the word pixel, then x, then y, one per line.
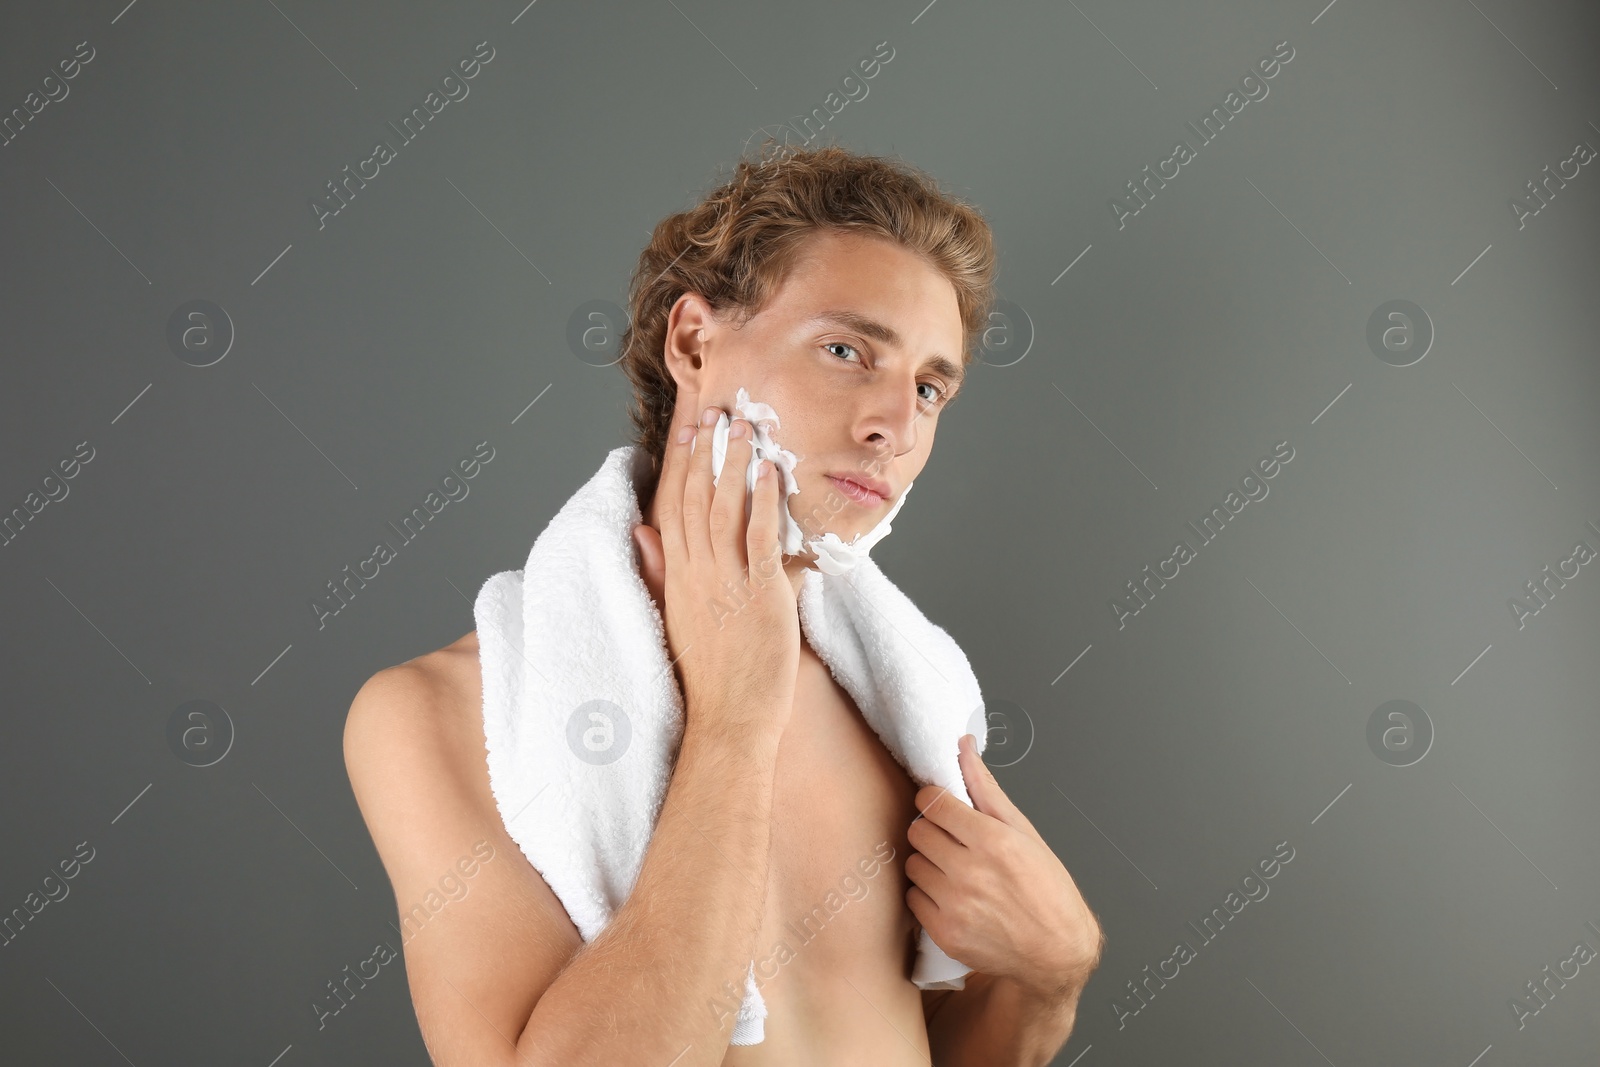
pixel 882 331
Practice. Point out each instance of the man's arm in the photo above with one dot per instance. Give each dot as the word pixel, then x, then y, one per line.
pixel 500 976
pixel 996 1021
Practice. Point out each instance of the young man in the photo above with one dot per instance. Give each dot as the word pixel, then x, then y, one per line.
pixel 843 291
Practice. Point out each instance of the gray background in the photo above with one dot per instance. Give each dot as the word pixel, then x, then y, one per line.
pixel 1230 314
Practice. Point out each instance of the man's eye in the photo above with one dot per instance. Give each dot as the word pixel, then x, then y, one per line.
pixel 940 392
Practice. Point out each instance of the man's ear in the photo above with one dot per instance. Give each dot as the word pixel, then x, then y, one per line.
pixel 688 323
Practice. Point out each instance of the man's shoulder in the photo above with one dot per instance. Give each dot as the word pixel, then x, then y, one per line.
pixel 424 714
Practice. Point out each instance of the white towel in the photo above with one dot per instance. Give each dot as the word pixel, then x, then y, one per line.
pixel 583 716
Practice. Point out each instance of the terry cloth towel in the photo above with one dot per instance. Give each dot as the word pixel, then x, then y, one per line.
pixel 583 716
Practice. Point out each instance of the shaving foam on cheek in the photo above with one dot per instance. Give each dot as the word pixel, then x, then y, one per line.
pixel 833 554
pixel 763 420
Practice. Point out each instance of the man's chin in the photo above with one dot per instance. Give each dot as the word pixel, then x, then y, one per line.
pixel 843 533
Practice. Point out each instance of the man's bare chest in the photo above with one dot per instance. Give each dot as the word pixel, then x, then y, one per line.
pixel 841 805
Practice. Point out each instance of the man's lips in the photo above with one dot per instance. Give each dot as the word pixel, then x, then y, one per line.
pixel 870 494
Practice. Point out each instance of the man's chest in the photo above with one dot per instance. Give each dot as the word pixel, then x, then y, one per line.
pixel 841 805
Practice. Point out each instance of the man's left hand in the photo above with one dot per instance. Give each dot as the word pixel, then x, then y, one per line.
pixel 992 894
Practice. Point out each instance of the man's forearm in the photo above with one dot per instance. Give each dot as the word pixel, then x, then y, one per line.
pixel 996 1022
pixel 656 981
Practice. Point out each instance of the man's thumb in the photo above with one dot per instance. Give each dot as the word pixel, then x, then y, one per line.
pixel 652 560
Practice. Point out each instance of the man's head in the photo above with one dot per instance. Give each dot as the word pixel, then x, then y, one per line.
pixel 845 291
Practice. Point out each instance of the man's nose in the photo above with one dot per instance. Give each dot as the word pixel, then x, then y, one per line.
pixel 894 417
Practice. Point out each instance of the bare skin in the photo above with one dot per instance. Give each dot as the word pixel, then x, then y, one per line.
pixel 837 797
pixel 770 820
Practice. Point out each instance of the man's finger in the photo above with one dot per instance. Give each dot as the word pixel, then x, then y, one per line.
pixel 928 876
pixel 949 812
pixel 987 796
pixel 934 843
pixel 669 494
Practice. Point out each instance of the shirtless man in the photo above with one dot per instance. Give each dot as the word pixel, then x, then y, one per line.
pixel 781 793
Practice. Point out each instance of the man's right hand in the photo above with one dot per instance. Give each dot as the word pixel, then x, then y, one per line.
pixel 732 628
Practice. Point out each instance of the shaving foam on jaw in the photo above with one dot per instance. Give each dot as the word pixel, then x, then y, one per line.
pixel 834 554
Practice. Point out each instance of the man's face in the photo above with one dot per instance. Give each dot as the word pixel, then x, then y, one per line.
pixel 850 402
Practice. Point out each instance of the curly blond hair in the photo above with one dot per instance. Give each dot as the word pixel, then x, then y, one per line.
pixel 736 245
